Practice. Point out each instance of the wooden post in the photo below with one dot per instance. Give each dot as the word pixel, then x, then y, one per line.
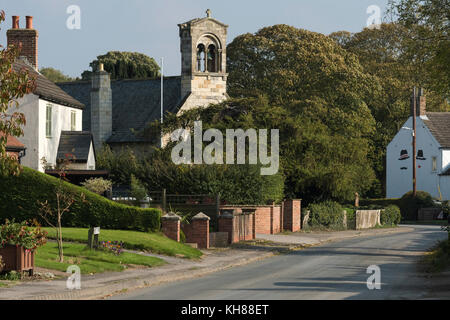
pixel 90 237
pixel 164 201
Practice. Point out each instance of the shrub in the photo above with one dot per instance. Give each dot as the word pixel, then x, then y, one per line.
pixel 327 214
pixel 23 235
pixel 391 215
pixel 351 218
pixel 410 205
pixel 19 197
pixel 137 189
pixel 97 185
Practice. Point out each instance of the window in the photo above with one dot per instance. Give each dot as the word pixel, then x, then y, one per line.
pixel 73 121
pixel 434 164
pixel 48 121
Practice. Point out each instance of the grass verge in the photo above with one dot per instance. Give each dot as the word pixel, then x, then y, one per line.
pixel 90 261
pixel 438 258
pixel 133 240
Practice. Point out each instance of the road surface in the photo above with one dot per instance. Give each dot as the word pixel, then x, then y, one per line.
pixel 331 271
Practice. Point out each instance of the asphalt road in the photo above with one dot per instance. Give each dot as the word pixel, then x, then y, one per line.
pixel 332 271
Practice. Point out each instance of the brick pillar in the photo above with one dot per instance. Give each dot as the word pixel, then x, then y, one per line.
pixel 292 215
pixel 171 226
pixel 200 230
pixel 249 215
pixel 226 223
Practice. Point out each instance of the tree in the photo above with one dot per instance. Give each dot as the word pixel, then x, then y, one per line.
pixel 55 75
pixel 13 86
pixel 53 215
pixel 430 43
pixel 125 65
pixel 322 152
pixel 316 94
pixel 383 54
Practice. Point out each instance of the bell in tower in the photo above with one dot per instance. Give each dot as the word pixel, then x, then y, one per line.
pixel 203 61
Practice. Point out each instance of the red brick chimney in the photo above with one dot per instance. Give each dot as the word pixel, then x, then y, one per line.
pixel 25 39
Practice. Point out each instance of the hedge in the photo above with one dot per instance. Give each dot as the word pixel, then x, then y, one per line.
pixel 378 203
pixel 19 196
pixel 327 214
pixel 391 215
pixel 410 205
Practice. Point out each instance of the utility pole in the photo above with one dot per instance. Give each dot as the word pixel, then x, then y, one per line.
pixel 414 107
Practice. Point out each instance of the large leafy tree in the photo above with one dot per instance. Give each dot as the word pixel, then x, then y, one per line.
pixel 316 95
pixel 429 45
pixel 54 75
pixel 384 54
pixel 125 65
pixel 13 86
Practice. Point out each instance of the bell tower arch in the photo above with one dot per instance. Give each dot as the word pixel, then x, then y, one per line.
pixel 203 61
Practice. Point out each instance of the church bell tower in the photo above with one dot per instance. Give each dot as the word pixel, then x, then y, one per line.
pixel 203 61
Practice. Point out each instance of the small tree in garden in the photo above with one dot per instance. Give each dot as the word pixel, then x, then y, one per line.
pixel 13 86
pixel 97 185
pixel 53 215
pixel 137 189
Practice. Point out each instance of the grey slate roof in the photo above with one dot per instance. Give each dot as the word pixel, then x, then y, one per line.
pixel 439 125
pixel 46 89
pixel 134 102
pixel 76 143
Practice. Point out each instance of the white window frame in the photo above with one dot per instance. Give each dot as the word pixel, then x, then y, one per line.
pixel 434 164
pixel 73 120
pixel 48 120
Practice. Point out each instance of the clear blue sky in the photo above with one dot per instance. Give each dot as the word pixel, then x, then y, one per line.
pixel 150 26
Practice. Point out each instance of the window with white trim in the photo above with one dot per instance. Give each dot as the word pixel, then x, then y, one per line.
pixel 73 121
pixel 48 121
pixel 434 164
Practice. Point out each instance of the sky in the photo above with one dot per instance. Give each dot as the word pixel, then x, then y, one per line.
pixel 150 26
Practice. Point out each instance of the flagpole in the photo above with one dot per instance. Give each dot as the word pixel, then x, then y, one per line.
pixel 162 98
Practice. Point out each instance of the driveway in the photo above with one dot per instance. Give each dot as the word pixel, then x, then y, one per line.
pixel 335 270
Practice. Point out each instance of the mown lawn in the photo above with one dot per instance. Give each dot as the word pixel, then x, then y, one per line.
pixel 153 242
pixel 90 261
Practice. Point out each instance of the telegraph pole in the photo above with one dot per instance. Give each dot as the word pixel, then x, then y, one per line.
pixel 414 107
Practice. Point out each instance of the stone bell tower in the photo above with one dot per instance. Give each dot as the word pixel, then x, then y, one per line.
pixel 203 61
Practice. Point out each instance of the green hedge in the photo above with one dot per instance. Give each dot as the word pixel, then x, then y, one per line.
pixel 391 215
pixel 410 205
pixel 326 214
pixel 378 203
pixel 19 198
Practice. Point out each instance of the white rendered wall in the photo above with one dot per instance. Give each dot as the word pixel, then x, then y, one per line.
pixel 399 181
pixel 61 121
pixel 28 105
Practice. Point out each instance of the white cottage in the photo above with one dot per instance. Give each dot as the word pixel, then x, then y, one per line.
pixel 432 158
pixel 53 129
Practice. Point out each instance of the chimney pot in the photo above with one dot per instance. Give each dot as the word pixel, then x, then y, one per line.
pixel 29 22
pixel 101 67
pixel 15 22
